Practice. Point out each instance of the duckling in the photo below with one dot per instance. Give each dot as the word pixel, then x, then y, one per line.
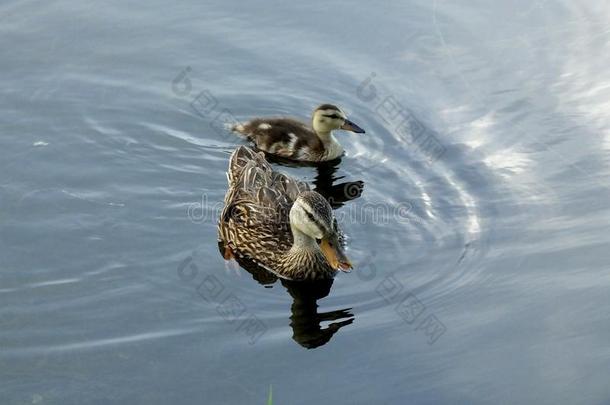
pixel 278 222
pixel 295 140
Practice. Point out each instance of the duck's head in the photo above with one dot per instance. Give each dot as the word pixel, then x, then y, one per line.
pixel 327 118
pixel 312 218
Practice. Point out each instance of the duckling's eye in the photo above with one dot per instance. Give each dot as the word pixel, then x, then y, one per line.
pixel 318 241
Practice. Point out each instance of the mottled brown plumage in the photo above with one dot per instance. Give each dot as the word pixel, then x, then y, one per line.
pixel 256 219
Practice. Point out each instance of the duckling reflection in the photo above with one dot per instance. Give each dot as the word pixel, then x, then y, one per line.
pixel 336 194
pixel 324 182
pixel 305 320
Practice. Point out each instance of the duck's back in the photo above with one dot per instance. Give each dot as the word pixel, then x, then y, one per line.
pixel 255 218
pixel 284 137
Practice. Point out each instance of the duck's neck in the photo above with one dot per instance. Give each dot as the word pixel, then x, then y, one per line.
pixel 303 242
pixel 332 148
pixel 305 260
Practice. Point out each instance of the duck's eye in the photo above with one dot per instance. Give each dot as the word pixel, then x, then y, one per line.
pixel 318 241
pixel 310 216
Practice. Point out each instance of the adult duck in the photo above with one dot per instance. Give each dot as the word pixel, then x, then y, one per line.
pixel 278 222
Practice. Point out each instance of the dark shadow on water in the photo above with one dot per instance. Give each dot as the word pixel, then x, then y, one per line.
pixel 324 183
pixel 305 320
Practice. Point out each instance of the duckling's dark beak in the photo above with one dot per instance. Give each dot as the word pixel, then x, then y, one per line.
pixel 335 255
pixel 350 126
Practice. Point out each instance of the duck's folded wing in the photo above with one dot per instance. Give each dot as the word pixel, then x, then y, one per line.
pixel 288 186
pixel 241 158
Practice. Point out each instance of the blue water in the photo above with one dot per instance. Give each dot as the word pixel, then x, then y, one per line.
pixel 480 241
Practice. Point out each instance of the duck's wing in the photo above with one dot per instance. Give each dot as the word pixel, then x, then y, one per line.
pixel 255 218
pixel 250 171
pixel 238 161
pixel 284 137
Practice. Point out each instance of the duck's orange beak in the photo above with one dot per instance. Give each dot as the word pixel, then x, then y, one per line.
pixel 350 126
pixel 335 255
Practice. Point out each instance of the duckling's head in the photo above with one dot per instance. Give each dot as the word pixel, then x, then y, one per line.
pixel 327 118
pixel 314 225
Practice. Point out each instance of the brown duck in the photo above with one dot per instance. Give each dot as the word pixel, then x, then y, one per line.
pixel 278 222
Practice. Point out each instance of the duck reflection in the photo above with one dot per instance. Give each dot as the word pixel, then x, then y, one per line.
pixel 305 320
pixel 324 183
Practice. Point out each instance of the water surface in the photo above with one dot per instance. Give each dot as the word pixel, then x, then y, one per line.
pixel 480 239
